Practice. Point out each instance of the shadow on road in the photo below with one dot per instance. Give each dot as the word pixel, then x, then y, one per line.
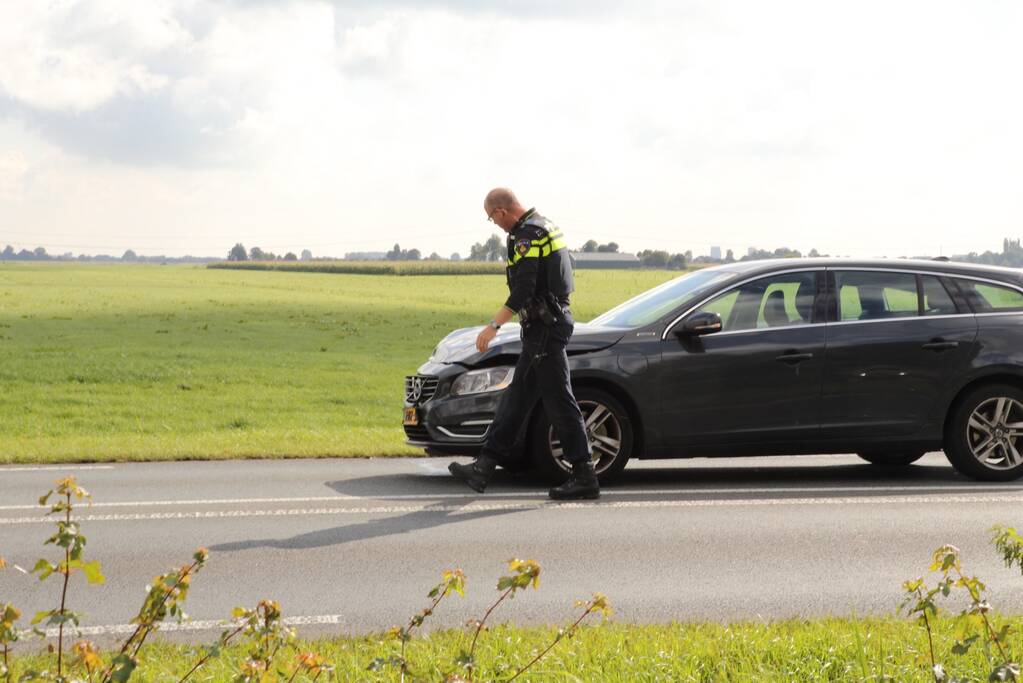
pixel 723 479
pixel 436 500
pixel 434 515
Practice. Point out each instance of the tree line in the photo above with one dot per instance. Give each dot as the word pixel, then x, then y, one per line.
pixel 239 253
pixel 129 256
pixel 494 250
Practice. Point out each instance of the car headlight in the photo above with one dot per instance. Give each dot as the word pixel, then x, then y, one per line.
pixel 481 381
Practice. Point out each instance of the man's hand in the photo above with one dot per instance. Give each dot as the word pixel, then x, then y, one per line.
pixel 486 335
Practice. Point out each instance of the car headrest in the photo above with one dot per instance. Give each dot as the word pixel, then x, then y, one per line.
pixel 774 309
pixel 804 300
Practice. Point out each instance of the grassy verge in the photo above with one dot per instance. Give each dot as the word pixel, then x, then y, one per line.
pixel 370 267
pixel 876 649
pixel 155 362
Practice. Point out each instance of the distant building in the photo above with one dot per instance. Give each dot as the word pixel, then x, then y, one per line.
pixel 715 253
pixel 365 256
pixel 596 259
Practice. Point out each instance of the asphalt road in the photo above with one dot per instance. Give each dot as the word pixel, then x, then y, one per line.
pixel 354 545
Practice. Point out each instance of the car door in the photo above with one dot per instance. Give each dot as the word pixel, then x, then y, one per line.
pixel 895 340
pixel 759 378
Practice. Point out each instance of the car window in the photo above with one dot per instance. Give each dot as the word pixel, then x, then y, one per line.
pixel 985 297
pixel 936 298
pixel 774 301
pixel 663 299
pixel 869 295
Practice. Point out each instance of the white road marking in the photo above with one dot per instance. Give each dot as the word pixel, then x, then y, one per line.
pixel 54 468
pixel 526 505
pixel 209 625
pixel 539 495
pixel 212 501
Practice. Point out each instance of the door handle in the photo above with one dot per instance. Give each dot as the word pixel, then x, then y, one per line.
pixel 940 345
pixel 793 357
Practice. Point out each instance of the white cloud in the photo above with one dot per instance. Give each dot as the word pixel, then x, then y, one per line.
pixel 658 125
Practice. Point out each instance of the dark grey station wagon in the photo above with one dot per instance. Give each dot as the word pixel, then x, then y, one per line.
pixel 888 359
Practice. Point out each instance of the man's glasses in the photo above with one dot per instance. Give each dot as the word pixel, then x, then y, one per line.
pixel 490 216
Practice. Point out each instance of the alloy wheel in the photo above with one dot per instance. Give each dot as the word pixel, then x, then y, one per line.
pixel 604 432
pixel 993 434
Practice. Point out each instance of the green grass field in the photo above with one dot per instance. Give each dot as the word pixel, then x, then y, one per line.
pixel 371 267
pixel 123 362
pixel 876 649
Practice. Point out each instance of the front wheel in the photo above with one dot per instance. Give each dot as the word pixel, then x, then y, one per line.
pixel 984 438
pixel 608 428
pixel 891 459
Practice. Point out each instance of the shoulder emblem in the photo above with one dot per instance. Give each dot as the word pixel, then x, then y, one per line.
pixel 522 247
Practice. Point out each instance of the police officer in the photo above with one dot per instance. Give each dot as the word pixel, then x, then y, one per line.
pixel 539 277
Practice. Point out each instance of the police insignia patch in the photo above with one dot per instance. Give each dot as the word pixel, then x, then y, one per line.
pixel 522 247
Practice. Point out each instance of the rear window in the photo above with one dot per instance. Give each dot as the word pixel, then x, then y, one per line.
pixel 985 297
pixel 869 295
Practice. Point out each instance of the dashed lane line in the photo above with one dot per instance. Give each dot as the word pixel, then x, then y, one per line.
pixel 209 625
pixel 196 502
pixel 539 495
pixel 526 505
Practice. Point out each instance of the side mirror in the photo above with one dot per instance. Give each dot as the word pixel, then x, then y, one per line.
pixel 701 323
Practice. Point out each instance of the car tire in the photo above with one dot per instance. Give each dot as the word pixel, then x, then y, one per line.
pixel 614 426
pixel 892 458
pixel 984 435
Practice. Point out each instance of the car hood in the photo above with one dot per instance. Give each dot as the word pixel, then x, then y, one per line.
pixel 460 345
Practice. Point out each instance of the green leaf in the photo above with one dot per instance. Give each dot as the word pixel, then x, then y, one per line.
pixel 123 666
pixel 963 646
pixel 45 567
pixel 40 616
pixel 93 573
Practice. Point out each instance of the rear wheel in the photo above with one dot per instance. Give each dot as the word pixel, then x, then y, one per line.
pixel 984 437
pixel 608 428
pixel 892 458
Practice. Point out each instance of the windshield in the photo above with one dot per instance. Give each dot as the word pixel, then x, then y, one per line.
pixel 661 300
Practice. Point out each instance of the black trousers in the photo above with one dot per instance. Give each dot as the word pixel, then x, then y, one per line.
pixel 543 376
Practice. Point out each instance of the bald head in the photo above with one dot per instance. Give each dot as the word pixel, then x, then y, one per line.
pixel 501 198
pixel 503 207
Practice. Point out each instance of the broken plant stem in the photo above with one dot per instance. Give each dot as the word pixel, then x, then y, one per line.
pixel 479 626
pixel 208 655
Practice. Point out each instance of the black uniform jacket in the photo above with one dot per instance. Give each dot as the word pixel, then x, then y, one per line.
pixel 538 262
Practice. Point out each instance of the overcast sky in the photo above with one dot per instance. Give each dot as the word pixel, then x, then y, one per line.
pixel 179 126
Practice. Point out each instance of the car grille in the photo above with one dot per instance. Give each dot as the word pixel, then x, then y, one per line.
pixel 417 433
pixel 420 389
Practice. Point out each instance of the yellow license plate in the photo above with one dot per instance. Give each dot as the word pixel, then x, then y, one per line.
pixel 411 417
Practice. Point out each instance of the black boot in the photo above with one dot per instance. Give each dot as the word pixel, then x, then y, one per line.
pixel 581 484
pixel 476 474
